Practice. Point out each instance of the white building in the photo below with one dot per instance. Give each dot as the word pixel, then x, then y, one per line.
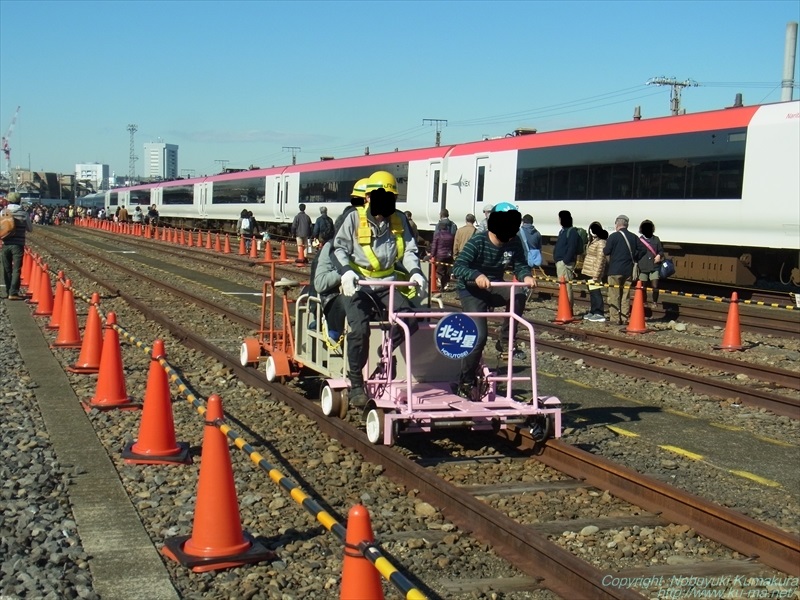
pixel 94 173
pixel 160 161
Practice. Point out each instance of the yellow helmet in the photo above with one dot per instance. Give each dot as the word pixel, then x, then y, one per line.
pixel 382 179
pixel 360 188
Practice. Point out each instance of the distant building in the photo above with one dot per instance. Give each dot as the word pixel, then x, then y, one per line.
pixel 160 161
pixel 94 173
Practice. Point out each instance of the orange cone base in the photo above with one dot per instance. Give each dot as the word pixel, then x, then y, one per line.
pixel 129 405
pixel 729 348
pixel 76 344
pixel 134 458
pixel 257 552
pixel 564 321
pixel 83 369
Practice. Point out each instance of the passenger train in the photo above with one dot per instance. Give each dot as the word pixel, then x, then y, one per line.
pixel 722 184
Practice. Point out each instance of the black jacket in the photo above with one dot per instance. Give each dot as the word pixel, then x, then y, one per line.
pixel 620 261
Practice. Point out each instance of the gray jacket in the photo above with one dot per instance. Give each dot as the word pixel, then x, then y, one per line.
pixel 326 277
pixel 384 245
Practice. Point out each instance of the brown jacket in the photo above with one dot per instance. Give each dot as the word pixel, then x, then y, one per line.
pixel 462 237
pixel 595 263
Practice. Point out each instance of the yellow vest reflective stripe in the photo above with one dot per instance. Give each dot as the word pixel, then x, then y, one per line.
pixel 364 239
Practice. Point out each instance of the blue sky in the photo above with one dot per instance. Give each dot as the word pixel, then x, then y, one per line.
pixel 239 81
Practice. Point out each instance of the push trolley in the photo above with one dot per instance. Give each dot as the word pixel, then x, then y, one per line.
pixel 410 388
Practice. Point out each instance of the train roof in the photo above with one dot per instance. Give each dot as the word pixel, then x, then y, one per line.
pixel 670 125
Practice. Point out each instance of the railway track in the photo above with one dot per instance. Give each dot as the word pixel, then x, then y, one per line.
pixel 512 541
pixel 785 403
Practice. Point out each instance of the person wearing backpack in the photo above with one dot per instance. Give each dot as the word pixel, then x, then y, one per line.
pixel 569 246
pixel 245 228
pixel 14 245
pixel 323 227
pixel 531 242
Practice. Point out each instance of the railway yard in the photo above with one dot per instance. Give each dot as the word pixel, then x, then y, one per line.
pixel 676 475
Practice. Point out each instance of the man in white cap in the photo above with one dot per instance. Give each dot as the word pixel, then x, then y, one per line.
pixel 483 227
pixel 14 246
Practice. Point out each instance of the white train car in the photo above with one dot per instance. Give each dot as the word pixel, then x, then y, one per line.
pixel 722 183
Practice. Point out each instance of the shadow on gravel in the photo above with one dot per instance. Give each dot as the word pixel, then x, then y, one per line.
pixel 605 415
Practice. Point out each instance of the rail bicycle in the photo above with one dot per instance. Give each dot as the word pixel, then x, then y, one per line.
pixel 409 387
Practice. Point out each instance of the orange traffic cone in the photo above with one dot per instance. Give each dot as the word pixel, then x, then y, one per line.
pixel 111 391
pixel 360 578
pixel 217 246
pixel 636 323
pixel 156 444
pixel 92 348
pixel 253 249
pixel 33 288
pixel 189 241
pixel 227 247
pixel 181 239
pixel 217 540
pixel 242 250
pixel 58 300
pixel 732 337
pixel 282 256
pixel 267 252
pixel 208 240
pixel 301 254
pixel 433 278
pixel 68 335
pixel 25 274
pixel 564 314
pixel 45 306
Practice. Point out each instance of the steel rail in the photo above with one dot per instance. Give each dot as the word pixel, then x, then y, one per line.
pixel 530 552
pixel 769 545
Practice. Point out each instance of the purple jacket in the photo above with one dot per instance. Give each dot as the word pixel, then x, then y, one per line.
pixel 442 246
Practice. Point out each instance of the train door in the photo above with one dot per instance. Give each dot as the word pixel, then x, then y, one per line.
pixel 202 195
pixel 277 196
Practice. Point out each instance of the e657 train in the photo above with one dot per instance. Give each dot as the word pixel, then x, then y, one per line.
pixel 722 187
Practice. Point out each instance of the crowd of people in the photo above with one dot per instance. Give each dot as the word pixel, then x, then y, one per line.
pixel 373 241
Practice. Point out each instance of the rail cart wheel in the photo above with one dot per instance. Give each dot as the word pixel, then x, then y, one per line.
pixel 550 430
pixel 375 418
pixel 270 369
pixel 250 351
pixel 332 402
pixel 542 427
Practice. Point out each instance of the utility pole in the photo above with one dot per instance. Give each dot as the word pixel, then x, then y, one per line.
pixel 189 171
pixel 132 128
pixel 294 150
pixel 223 163
pixel 675 94
pixel 438 124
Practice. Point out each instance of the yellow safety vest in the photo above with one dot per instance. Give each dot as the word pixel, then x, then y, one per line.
pixel 364 239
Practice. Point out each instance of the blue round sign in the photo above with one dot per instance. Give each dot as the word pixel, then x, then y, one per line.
pixel 456 335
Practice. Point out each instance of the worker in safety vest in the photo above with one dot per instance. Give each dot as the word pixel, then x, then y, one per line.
pixel 357 198
pixel 374 242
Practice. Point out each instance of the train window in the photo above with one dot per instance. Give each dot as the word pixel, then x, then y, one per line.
pixel 113 199
pixel 661 168
pixel 336 185
pixel 179 194
pixel 240 191
pixel 140 197
pixel 436 185
pixel 481 183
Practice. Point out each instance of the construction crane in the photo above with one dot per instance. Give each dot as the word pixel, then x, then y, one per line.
pixel 6 147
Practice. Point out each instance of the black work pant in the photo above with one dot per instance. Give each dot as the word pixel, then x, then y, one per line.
pixel 361 308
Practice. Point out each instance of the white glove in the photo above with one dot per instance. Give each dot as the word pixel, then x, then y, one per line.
pixel 421 284
pixel 349 280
